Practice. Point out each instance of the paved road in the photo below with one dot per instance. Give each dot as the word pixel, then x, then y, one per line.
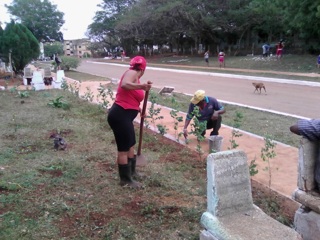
pixel 301 99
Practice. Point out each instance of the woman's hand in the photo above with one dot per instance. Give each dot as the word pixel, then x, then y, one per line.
pixel 147 86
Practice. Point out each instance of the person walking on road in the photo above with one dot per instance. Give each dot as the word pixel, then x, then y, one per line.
pixel 126 107
pixel 210 111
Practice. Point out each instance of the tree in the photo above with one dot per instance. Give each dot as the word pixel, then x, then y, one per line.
pixel 53 48
pixel 103 30
pixel 302 19
pixel 19 40
pixel 40 16
pixel 185 24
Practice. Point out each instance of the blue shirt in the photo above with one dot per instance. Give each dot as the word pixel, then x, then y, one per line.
pixel 211 105
pixel 310 129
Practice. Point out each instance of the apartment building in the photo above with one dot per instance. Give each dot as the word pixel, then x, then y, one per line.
pixel 77 48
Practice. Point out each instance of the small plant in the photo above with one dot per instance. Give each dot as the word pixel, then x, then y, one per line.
pixel 153 111
pixel 13 90
pixel 235 132
pixel 162 129
pixel 88 95
pixel 58 103
pixel 176 119
pixel 75 88
pixel 197 129
pixel 23 94
pixel 268 153
pixel 253 167
pixel 64 84
pixel 110 93
pixel 15 124
pixel 104 95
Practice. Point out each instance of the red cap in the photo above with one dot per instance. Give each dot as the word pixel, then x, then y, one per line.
pixel 138 62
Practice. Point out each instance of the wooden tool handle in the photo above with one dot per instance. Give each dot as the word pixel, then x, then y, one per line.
pixel 144 107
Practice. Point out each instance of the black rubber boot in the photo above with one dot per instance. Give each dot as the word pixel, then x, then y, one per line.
pixel 134 174
pixel 125 176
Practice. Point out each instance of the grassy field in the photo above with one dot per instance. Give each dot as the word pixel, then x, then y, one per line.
pixel 288 67
pixel 75 194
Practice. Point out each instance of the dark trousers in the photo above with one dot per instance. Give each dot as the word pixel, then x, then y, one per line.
pixel 215 125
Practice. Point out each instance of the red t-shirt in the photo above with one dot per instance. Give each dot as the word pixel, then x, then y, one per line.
pixel 129 99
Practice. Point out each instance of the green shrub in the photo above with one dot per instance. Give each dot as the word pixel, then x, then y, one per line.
pixel 68 63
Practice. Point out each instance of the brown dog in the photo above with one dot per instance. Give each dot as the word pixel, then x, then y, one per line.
pixel 258 86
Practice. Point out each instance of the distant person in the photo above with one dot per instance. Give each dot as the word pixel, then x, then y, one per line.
pixel 221 58
pixel 279 50
pixel 210 111
pixel 123 54
pixel 318 61
pixel 58 61
pixel 265 50
pixel 309 129
pixel 206 57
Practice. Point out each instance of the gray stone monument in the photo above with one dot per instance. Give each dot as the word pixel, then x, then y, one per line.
pixel 231 214
pixel 37 80
pixel 59 79
pixel 307 217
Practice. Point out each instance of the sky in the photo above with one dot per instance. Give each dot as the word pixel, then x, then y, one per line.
pixel 77 15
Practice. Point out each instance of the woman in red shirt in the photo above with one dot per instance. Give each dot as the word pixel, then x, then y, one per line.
pixel 126 107
pixel 279 51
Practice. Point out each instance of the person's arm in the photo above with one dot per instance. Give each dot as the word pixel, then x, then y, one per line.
pixel 216 113
pixel 218 108
pixel 188 120
pixel 185 128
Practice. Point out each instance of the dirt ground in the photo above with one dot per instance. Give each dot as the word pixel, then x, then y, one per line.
pixel 11 82
pixel 271 202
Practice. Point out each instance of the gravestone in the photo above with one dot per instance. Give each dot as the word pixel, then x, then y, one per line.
pixel 59 79
pixel 231 214
pixel 47 76
pixel 37 81
pixel 3 66
pixel 27 76
pixel 229 187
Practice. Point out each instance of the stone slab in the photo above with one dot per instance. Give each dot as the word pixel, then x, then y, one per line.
pixel 250 225
pixel 310 199
pixel 307 223
pixel 166 90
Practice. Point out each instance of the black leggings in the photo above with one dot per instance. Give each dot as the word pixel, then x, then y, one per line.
pixel 121 123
